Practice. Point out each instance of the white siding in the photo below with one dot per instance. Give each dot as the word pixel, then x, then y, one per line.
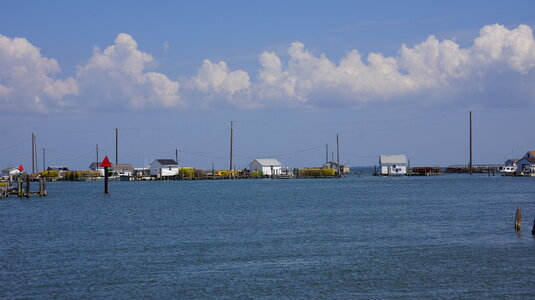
pixel 156 169
pixel 274 169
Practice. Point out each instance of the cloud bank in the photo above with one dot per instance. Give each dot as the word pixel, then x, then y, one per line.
pixel 497 70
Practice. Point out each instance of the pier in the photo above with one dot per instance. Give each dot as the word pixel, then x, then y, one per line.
pixel 22 187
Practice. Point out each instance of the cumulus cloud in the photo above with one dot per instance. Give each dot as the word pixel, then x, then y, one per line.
pixel 498 69
pixel 216 82
pixel 118 75
pixel 27 79
pixel 500 63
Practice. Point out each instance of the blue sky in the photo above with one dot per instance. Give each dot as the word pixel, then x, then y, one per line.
pixel 388 76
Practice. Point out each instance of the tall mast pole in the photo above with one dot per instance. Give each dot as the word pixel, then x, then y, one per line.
pixel 176 156
pixel 326 153
pixel 33 153
pixel 98 164
pixel 470 166
pixel 116 146
pixel 44 164
pixel 337 155
pixel 231 141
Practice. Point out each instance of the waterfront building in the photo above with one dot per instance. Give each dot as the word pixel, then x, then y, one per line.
pixel 333 165
pixel 391 165
pixel 10 171
pixel 268 166
pixel 123 169
pixel 164 168
pixel 526 165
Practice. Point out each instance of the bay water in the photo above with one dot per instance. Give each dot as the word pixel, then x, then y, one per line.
pixel 358 237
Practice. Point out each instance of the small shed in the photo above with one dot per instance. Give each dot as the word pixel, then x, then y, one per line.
pixel 394 164
pixel 268 166
pixel 163 167
pixel 332 165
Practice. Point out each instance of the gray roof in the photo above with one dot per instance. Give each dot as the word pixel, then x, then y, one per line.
pixel 268 162
pixel 122 167
pixel 8 169
pixel 393 159
pixel 167 162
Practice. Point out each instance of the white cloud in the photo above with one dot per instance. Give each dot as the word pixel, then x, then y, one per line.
pixel 27 81
pixel 498 69
pixel 431 71
pixel 219 84
pixel 216 78
pixel 118 75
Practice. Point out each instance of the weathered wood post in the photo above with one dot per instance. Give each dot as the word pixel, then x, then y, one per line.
pixel 533 230
pixel 105 164
pixel 518 219
pixel 19 185
pixel 27 185
pixel 40 187
pixel 44 187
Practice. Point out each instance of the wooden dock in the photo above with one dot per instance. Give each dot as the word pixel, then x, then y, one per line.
pixel 23 187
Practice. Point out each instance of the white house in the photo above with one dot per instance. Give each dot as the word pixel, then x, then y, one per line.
pixel 10 171
pixel 393 164
pixel 526 165
pixel 268 166
pixel 163 167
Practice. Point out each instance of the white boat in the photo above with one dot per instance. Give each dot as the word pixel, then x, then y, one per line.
pixel 508 171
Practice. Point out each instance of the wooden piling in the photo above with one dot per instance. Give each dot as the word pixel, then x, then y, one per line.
pixel 19 185
pixel 27 186
pixel 518 219
pixel 44 187
pixel 40 187
pixel 533 230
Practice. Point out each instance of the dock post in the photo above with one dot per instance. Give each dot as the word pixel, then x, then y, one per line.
pixel 44 187
pixel 533 230
pixel 19 185
pixel 518 218
pixel 27 186
pixel 40 187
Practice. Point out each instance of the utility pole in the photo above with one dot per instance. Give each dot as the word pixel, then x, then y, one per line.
pixel 326 153
pixel 470 166
pixel 338 155
pixel 33 153
pixel 231 141
pixel 116 146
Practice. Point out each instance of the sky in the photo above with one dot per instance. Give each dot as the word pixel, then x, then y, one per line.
pixel 387 77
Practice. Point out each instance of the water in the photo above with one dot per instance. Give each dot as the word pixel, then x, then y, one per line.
pixel 359 237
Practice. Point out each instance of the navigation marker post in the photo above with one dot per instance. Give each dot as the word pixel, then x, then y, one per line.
pixel 105 164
